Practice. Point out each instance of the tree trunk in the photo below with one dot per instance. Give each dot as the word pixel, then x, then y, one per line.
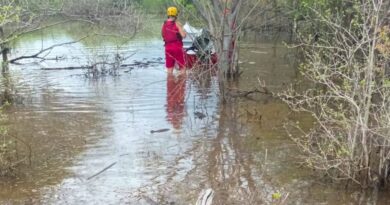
pixel 228 63
pixel 4 52
pixel 222 16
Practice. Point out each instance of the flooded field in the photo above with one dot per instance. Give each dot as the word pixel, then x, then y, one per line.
pixel 143 136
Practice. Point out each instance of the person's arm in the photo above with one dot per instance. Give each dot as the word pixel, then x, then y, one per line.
pixel 162 31
pixel 183 34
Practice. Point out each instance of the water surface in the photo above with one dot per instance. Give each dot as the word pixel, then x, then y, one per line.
pixel 91 139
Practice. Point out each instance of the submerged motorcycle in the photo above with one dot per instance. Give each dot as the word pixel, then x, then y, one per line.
pixel 199 48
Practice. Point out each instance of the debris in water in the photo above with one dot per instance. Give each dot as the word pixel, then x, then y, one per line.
pixel 149 200
pixel 276 196
pixel 259 52
pixel 205 197
pixel 103 170
pixel 199 115
pixel 158 131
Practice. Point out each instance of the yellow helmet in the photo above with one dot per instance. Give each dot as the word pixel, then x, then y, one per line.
pixel 172 11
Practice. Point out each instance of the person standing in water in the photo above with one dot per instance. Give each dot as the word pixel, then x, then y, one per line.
pixel 173 33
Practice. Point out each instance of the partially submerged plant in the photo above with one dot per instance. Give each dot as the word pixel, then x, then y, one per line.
pixel 7 151
pixel 348 97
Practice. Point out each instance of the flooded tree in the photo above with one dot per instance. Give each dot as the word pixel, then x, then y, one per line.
pixel 8 14
pixel 124 14
pixel 221 17
pixel 18 18
pixel 230 20
pixel 348 95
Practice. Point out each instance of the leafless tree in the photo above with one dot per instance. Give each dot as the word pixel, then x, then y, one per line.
pixel 222 19
pixel 348 97
pixel 22 17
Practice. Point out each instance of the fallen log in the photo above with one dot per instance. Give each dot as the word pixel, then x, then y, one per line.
pixel 239 93
pixel 139 64
pixel 68 68
pixel 159 130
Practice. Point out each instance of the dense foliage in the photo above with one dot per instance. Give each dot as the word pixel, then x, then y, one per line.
pixel 349 95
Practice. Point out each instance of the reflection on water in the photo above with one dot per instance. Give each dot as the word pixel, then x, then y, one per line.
pixel 91 139
pixel 176 86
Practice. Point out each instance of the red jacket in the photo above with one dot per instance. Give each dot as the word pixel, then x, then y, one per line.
pixel 171 34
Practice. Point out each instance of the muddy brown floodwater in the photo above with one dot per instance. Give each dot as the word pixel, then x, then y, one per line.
pixel 146 137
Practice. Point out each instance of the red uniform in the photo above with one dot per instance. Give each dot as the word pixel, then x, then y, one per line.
pixel 173 45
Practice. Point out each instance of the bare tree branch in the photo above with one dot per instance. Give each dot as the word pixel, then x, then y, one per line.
pixel 37 55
